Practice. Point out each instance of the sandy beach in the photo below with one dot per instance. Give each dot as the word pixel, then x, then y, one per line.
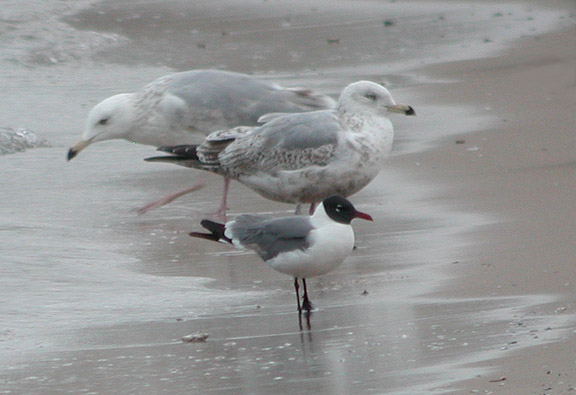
pixel 463 284
pixel 522 173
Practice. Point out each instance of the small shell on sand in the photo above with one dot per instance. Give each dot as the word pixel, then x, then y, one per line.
pixel 195 338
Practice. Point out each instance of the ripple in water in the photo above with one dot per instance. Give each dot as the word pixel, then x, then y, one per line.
pixel 16 140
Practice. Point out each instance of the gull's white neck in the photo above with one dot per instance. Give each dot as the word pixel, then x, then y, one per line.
pixel 320 218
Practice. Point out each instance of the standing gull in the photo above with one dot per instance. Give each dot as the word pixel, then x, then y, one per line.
pixel 183 108
pixel 301 247
pixel 306 157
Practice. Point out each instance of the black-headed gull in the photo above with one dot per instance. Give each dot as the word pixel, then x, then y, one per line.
pixel 301 247
pixel 183 108
pixel 305 157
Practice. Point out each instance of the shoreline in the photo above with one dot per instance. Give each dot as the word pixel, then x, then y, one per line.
pixel 485 211
pixel 522 173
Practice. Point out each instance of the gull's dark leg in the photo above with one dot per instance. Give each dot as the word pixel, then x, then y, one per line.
pixel 306 304
pixel 313 208
pixel 297 287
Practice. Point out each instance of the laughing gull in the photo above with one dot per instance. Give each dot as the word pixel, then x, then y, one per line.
pixel 306 157
pixel 183 108
pixel 301 247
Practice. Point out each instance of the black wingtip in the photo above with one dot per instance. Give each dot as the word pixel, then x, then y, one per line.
pixel 217 229
pixel 166 148
pixel 186 151
pixel 169 159
pixel 205 236
pixel 178 149
pixel 214 227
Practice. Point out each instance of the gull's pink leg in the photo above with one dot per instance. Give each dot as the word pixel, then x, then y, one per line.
pixel 221 212
pixel 170 198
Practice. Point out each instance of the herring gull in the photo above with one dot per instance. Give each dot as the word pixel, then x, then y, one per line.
pixel 305 157
pixel 183 108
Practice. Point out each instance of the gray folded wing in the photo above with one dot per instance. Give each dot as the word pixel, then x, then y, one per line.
pixel 288 142
pixel 218 99
pixel 270 237
pixel 208 152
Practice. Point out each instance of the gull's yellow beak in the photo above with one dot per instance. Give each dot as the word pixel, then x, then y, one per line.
pixel 402 109
pixel 75 150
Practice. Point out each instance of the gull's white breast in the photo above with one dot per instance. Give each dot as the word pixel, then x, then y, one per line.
pixel 329 246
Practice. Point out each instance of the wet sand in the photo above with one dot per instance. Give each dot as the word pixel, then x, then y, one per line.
pixel 467 269
pixel 522 172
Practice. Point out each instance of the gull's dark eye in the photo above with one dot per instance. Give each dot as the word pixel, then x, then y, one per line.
pixel 103 121
pixel 371 96
pixel 338 208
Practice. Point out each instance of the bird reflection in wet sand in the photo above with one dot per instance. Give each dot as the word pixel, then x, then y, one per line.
pixel 307 315
pixel 301 247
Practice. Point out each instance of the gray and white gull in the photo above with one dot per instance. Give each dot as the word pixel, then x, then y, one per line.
pixel 305 157
pixel 301 247
pixel 182 108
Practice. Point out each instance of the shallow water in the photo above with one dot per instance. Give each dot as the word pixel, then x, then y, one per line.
pixel 17 140
pixel 96 298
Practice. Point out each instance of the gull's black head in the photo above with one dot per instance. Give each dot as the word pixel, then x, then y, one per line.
pixel 342 211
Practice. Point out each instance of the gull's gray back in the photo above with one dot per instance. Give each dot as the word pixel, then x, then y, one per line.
pixel 309 130
pixel 219 99
pixel 270 237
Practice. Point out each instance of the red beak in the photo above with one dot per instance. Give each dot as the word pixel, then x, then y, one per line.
pixel 361 215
